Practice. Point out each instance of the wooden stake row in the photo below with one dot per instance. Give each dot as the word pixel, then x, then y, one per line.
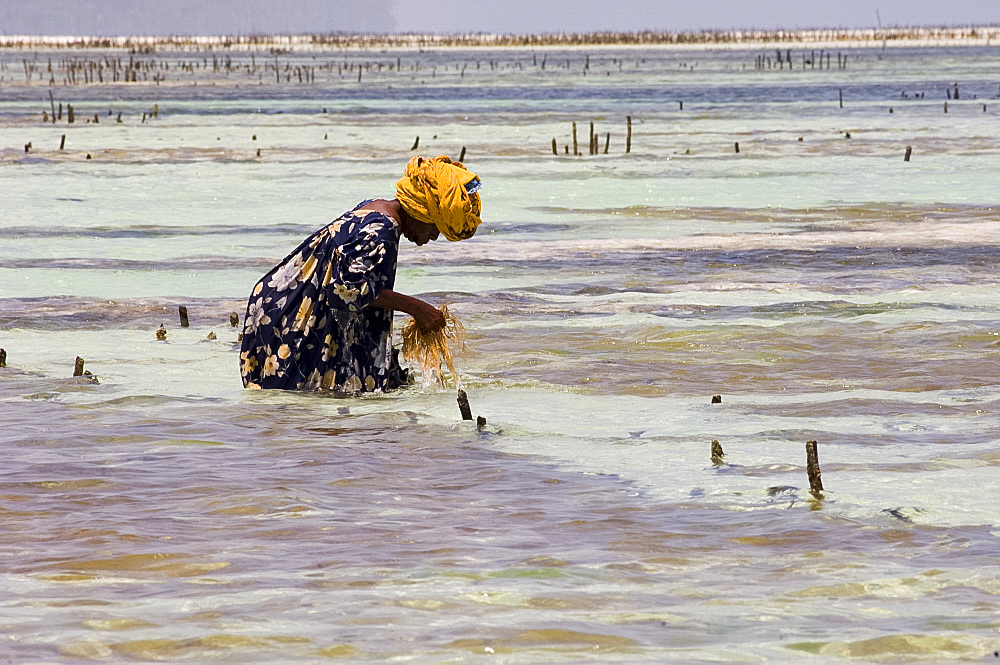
pixel 809 60
pixel 71 114
pixel 595 140
pixel 185 322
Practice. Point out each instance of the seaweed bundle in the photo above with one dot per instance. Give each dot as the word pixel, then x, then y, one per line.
pixel 431 349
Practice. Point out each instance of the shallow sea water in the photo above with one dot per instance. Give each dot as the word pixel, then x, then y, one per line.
pixel 825 288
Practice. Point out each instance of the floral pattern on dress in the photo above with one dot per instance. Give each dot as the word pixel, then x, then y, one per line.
pixel 310 323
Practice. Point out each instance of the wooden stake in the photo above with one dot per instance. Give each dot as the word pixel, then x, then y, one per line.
pixel 415 144
pixel 461 156
pixel 62 142
pixel 234 320
pixel 718 454
pixel 716 399
pixel 812 468
pixel 906 157
pixel 78 368
pixel 463 405
pixel 575 151
pixel 628 135
pixel 592 149
pixel 52 103
pixel 681 106
pixel 555 149
pixel 183 311
pixel 737 146
pixel 3 358
pixel 841 91
pixel 480 423
pixel 607 142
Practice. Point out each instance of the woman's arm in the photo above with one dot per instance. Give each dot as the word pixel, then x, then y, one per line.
pixel 428 317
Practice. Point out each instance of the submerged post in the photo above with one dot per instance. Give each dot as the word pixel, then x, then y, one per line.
pixel 461 156
pixel 183 311
pixel 906 157
pixel 463 405
pixel 718 454
pixel 628 135
pixel 575 151
pixel 555 148
pixel 3 358
pixel 234 319
pixel 78 368
pixel 841 93
pixel 812 468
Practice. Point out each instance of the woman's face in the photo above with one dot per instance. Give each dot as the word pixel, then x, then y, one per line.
pixel 417 232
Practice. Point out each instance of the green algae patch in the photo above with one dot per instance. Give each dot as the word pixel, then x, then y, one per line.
pixel 531 573
pixel 897 646
pixel 808 647
pixel 556 639
pixel 338 651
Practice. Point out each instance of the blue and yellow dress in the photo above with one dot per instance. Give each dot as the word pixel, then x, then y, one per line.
pixel 310 323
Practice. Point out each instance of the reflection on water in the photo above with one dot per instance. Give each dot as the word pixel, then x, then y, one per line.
pixel 824 288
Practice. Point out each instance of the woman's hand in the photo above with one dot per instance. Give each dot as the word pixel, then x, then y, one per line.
pixel 429 318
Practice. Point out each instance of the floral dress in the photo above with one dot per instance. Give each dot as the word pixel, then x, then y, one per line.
pixel 310 323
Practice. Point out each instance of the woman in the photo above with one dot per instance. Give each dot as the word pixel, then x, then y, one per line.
pixel 322 318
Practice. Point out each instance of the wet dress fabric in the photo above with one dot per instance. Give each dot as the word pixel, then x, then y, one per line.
pixel 310 323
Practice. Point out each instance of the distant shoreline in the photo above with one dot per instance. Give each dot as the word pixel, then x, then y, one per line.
pixel 730 39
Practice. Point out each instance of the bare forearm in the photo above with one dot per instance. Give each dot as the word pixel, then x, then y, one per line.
pixel 389 299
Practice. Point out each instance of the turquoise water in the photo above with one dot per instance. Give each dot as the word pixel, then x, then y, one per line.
pixel 825 288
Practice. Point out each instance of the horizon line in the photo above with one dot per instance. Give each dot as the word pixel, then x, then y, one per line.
pixel 549 34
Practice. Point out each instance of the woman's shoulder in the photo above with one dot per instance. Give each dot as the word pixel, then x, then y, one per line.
pixel 383 207
pixel 375 216
pixel 367 219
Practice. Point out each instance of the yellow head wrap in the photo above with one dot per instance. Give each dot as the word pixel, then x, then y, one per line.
pixel 434 191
